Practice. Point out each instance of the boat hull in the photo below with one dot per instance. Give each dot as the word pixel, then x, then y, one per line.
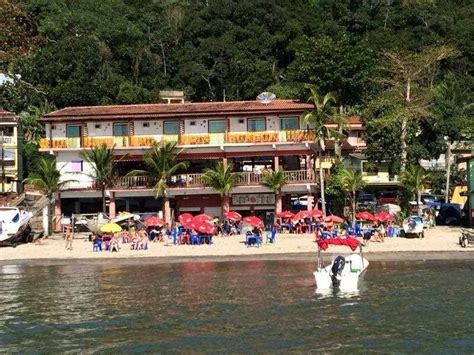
pixel 23 235
pixel 349 279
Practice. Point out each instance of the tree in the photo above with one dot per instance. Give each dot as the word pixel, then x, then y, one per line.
pixel 162 163
pixel 318 118
pixel 48 179
pixel 352 182
pixel 275 180
pixel 413 180
pixel 406 91
pixel 223 180
pixel 101 162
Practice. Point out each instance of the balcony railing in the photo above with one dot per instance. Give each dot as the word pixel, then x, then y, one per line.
pixel 195 180
pixel 184 139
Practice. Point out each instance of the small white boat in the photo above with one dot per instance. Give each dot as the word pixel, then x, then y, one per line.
pixel 14 226
pixel 344 273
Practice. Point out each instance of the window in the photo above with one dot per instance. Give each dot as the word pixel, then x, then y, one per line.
pixel 256 124
pixel 120 129
pixel 146 124
pixel 217 126
pixel 76 166
pixel 170 127
pixel 192 123
pixel 73 131
pixel 97 126
pixel 289 123
pixel 241 121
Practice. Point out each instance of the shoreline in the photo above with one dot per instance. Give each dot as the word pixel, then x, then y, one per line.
pixel 378 256
pixel 440 243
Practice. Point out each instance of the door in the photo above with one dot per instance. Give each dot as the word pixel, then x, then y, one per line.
pixel 73 136
pixel 217 131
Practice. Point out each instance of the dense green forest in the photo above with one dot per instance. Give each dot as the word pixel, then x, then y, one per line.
pixel 88 52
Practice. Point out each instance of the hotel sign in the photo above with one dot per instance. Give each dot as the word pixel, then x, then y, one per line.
pixel 253 199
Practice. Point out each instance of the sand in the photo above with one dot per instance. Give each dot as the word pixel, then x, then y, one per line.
pixel 439 243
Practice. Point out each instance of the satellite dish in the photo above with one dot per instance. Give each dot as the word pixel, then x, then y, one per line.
pixel 266 97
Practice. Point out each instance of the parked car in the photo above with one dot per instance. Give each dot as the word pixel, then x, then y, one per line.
pixel 366 201
pixel 388 197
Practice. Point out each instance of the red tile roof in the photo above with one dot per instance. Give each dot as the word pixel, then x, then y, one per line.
pixel 146 111
pixel 7 116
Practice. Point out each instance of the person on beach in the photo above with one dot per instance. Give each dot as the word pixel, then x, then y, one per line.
pixel 68 238
pixel 114 244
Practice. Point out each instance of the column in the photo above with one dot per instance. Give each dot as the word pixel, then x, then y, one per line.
pixel 279 203
pixel 276 162
pixel 310 201
pixel 57 213
pixel 112 208
pixel 167 209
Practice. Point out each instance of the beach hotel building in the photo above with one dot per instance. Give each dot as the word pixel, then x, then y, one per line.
pixel 10 156
pixel 251 135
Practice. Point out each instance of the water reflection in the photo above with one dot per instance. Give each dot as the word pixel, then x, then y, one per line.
pixel 249 306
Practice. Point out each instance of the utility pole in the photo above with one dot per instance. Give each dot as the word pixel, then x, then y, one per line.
pixel 448 169
pixel 3 164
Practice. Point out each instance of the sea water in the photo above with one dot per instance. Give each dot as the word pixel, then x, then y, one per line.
pixel 244 306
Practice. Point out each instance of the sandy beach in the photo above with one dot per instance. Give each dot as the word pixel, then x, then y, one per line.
pixel 439 242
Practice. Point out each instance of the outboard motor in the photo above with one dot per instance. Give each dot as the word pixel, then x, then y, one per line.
pixel 336 270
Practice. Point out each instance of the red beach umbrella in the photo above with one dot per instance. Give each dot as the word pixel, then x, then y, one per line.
pixel 202 217
pixel 154 221
pixel 334 219
pixel 202 227
pixel 232 215
pixel 285 214
pixel 254 221
pixel 185 218
pixel 316 213
pixel 365 216
pixel 383 216
pixel 300 215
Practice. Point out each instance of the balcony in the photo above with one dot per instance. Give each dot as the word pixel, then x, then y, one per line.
pixel 8 140
pixel 195 180
pixel 185 139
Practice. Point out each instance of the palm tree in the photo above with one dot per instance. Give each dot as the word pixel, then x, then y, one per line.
pixel 162 163
pixel 223 180
pixel 351 182
pixel 414 179
pixel 48 179
pixel 321 114
pixel 101 162
pixel 275 180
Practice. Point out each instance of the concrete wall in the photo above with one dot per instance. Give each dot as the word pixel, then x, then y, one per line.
pixel 235 126
pixel 200 126
pixel 64 164
pixel 155 128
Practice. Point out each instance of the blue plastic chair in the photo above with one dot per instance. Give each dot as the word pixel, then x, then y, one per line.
pixel 97 247
pixel 195 239
pixel 271 236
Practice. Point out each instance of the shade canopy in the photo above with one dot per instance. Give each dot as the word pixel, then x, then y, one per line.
pixel 185 218
pixel 111 228
pixel 285 214
pixel 203 227
pixel 202 217
pixel 154 221
pixel 383 216
pixel 316 213
pixel 301 215
pixel 334 219
pixel 352 243
pixel 232 215
pixel 254 221
pixel 366 216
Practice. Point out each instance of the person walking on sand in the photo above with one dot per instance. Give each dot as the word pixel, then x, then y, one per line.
pixel 68 238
